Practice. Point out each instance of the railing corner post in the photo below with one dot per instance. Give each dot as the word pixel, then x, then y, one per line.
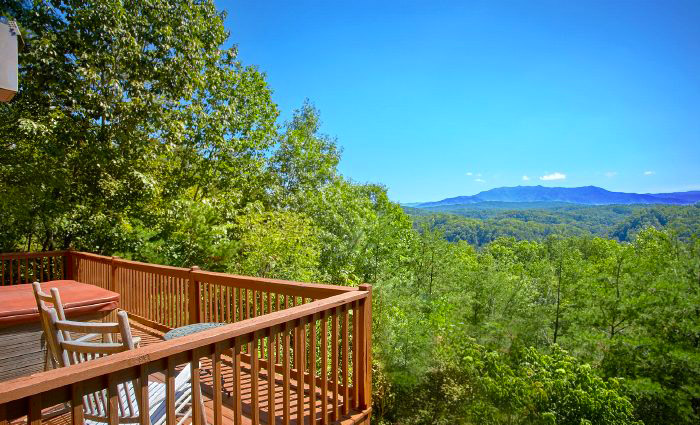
pixel 113 269
pixel 365 371
pixel 194 297
pixel 68 262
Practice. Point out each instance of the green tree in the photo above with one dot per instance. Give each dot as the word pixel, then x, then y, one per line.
pixel 278 244
pixel 114 95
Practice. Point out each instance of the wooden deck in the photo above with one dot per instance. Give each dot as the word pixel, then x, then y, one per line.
pixel 151 336
pixel 318 338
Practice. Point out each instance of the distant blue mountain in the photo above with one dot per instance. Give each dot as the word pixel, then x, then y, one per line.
pixel 588 195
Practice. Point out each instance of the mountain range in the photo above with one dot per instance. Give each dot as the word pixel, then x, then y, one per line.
pixel 586 195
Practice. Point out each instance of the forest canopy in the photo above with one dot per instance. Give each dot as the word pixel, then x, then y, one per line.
pixel 488 221
pixel 137 133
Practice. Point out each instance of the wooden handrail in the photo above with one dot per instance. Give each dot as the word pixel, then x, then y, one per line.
pixel 152 268
pixel 23 255
pixel 285 287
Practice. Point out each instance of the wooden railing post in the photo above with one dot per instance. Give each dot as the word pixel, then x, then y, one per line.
pixel 194 298
pixel 113 268
pixel 365 353
pixel 68 265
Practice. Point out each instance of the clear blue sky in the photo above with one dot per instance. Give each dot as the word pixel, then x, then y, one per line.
pixel 436 99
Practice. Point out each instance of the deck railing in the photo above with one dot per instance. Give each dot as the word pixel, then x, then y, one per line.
pixel 318 336
pixel 27 267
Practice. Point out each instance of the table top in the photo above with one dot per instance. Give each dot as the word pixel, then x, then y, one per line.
pixel 18 305
pixel 190 329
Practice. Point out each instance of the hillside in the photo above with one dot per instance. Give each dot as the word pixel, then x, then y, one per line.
pixel 587 195
pixel 481 223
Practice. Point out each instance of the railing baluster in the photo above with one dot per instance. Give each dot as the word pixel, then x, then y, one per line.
pixel 271 376
pixel 247 304
pixel 158 298
pixel 162 296
pixel 247 315
pixel 146 288
pixel 299 357
pixel 255 303
pixel 285 375
pixel 159 316
pixel 170 292
pixel 212 299
pixel 170 392
pixel 254 390
pixel 334 364
pixel 143 289
pixel 239 299
pixel 324 368
pixel 228 304
pixel 216 376
pixel 142 396
pixel 355 354
pixel 365 340
pixel 293 337
pixel 125 277
pixel 216 296
pixel 277 337
pixel 204 287
pixel 173 305
pixel 166 304
pixel 77 403
pixel 179 302
pixel 113 396
pixel 312 370
pixel 237 406
pixel 197 401
pixel 346 363
pixel 34 413
pixel 147 277
pixel 177 310
pixel 152 278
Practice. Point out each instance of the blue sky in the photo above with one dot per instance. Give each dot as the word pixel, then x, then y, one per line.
pixel 436 99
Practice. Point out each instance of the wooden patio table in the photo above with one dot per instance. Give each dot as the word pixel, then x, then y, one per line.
pixel 22 343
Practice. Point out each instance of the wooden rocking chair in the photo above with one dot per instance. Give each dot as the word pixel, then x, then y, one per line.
pixel 95 405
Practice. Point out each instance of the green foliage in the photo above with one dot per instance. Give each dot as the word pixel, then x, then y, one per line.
pixel 626 314
pixel 305 160
pixel 433 372
pixel 281 244
pixel 123 107
pixel 187 233
pixel 484 222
